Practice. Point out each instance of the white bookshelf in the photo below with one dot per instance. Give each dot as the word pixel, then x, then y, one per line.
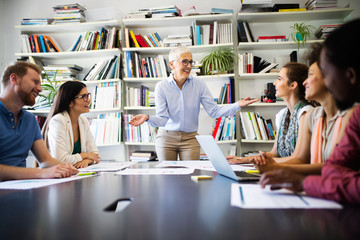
pixel 179 25
pixel 65 35
pixel 268 24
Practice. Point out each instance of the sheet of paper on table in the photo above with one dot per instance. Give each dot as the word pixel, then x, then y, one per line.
pixel 253 196
pixel 203 165
pixel 106 167
pixel 156 171
pixel 36 183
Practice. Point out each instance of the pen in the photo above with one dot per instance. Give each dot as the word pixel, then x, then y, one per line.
pixel 86 174
pixel 252 171
pixel 302 199
pixel 241 195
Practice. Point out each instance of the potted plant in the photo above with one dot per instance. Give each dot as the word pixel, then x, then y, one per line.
pixel 50 89
pixel 301 33
pixel 218 61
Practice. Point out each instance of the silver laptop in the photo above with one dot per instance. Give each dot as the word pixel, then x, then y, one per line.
pixel 219 161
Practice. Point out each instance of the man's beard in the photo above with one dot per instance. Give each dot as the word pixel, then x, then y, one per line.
pixel 26 98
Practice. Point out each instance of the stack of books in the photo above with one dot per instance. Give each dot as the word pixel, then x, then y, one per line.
pixel 320 4
pixel 256 127
pixel 256 6
pixel 69 13
pixel 273 38
pixel 142 156
pixel 287 7
pixel 196 69
pixel 175 40
pixel 36 21
pixel 221 10
pixel 62 72
pixel 169 11
pixel 324 30
pixel 139 14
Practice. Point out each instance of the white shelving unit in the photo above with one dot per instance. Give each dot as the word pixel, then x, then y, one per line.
pixel 179 25
pixel 275 23
pixel 65 35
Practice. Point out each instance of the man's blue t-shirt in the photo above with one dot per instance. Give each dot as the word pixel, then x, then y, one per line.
pixel 15 142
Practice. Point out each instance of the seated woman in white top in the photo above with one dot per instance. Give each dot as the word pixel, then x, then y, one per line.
pixel 289 87
pixel 66 132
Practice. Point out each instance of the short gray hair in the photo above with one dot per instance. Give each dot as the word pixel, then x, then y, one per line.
pixel 175 53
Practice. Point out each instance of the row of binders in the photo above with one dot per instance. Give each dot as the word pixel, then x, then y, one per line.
pixel 227 93
pixel 105 69
pixel 248 63
pixel 143 133
pixel 106 96
pixel 138 40
pixel 142 67
pixel 106 128
pixel 96 40
pixel 38 43
pixel 140 96
pixel 255 127
pixel 214 33
pixel 224 128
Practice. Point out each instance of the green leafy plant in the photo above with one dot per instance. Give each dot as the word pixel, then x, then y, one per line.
pixel 301 33
pixel 218 61
pixel 50 88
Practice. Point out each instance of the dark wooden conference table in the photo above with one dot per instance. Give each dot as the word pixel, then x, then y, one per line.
pixel 162 207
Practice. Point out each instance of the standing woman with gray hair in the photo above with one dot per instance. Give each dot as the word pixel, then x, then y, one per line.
pixel 178 100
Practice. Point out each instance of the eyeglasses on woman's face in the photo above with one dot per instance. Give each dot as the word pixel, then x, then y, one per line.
pixel 85 97
pixel 186 62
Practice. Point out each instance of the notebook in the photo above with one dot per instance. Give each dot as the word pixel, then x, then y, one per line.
pixel 219 161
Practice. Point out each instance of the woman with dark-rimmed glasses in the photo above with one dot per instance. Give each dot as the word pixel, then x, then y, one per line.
pixel 66 132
